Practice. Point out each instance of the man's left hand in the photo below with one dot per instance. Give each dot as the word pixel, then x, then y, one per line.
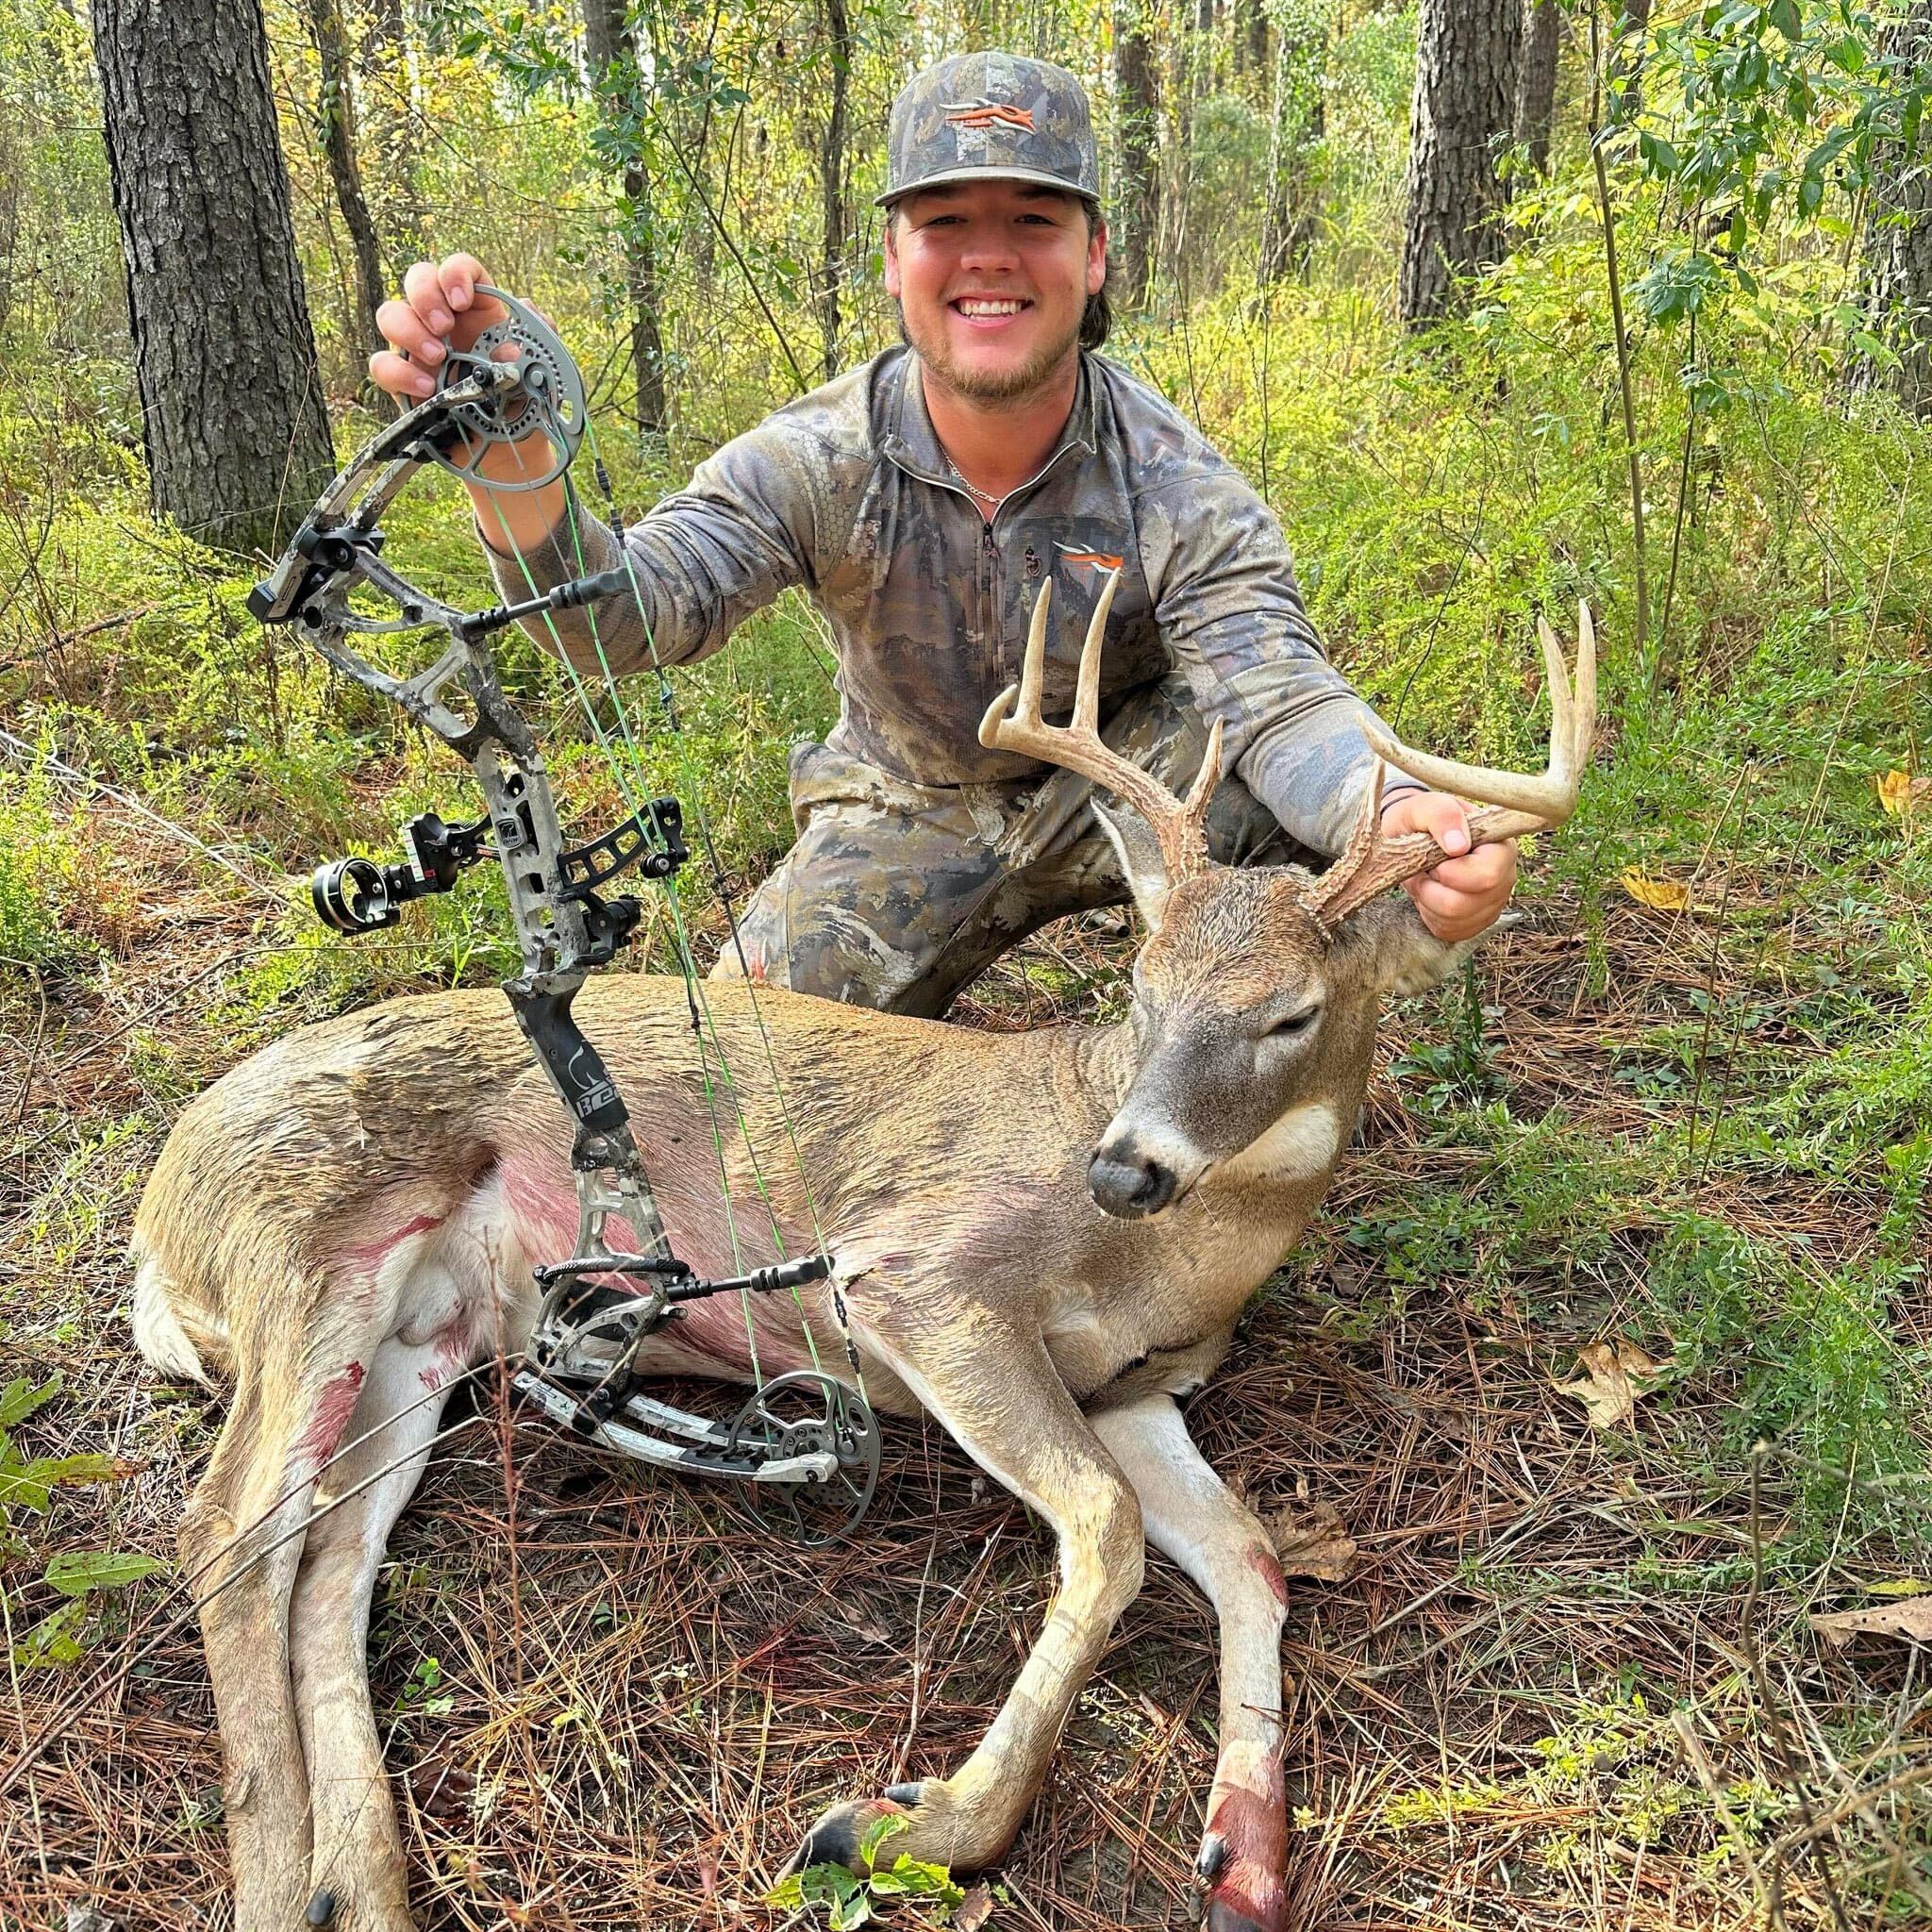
pixel 1466 893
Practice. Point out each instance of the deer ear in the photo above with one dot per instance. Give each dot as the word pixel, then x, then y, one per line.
pixel 1408 957
pixel 1139 852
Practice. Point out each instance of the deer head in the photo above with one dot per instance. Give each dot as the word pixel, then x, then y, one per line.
pixel 1257 991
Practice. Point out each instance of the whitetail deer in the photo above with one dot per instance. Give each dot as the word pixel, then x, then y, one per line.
pixel 1044 1240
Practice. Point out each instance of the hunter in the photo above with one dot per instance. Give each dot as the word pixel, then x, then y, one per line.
pixel 922 500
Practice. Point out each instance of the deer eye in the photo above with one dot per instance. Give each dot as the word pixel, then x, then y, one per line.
pixel 1294 1024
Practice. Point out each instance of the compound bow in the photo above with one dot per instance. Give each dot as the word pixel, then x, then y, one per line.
pixel 805 1441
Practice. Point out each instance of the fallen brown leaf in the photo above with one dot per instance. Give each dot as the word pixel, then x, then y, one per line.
pixel 973 1910
pixel 1311 1540
pixel 1660 896
pixel 1911 1620
pixel 1616 1375
pixel 1901 794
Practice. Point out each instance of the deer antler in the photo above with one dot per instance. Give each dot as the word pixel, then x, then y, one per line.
pixel 1511 803
pixel 1012 723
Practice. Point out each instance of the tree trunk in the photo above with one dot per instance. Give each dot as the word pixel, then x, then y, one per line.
pixel 1139 216
pixel 1251 43
pixel 390 135
pixel 613 59
pixel 1898 241
pixel 233 414
pixel 832 185
pixel 1465 100
pixel 1536 85
pixel 336 113
pixel 1301 118
pixel 1626 63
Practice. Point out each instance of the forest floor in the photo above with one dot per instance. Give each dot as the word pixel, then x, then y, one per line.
pixel 1556 1676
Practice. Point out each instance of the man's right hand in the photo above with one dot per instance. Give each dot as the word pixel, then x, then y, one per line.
pixel 440 300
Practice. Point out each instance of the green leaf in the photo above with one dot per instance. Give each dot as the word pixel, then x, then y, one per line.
pixel 75 1571
pixel 878 1831
pixel 913 1878
pixel 1659 156
pixel 20 1398
pixel 27 1485
pixel 1784 15
pixel 52 1640
pixel 850 1913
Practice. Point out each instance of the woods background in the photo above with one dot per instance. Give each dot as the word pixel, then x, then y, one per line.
pixel 1605 1377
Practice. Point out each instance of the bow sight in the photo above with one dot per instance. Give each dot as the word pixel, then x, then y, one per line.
pixel 804 1441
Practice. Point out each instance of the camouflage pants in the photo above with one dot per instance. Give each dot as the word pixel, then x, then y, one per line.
pixel 896 895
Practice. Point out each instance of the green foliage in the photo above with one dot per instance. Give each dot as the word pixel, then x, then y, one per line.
pixel 848 1899
pixel 27 1482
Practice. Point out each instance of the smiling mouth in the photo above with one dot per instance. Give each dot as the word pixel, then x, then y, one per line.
pixel 986 309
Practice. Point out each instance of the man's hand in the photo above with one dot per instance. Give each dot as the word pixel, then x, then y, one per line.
pixel 439 299
pixel 1465 894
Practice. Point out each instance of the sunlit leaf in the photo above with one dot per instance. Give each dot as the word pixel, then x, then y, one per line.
pixel 1901 794
pixel 1660 896
pixel 1615 1376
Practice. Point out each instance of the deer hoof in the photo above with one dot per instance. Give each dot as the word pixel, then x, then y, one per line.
pixel 1232 1915
pixel 838 1834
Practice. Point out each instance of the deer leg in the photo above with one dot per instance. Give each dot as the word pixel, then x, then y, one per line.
pixel 241 1546
pixel 1003 1402
pixel 357 1858
pixel 1192 1517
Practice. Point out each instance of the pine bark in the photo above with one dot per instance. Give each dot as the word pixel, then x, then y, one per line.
pixel 1536 82
pixel 1139 217
pixel 233 415
pixel 832 185
pixel 611 56
pixel 1467 56
pixel 1898 237
pixel 337 117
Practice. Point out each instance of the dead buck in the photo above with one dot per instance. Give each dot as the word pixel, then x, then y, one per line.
pixel 1044 1240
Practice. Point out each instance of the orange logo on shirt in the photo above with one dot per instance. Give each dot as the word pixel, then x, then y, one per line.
pixel 1096 563
pixel 990 114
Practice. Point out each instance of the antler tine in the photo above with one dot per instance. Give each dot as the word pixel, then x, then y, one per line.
pixel 1012 723
pixel 1087 690
pixel 1548 797
pixel 1511 803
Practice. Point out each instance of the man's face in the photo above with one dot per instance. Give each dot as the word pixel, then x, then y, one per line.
pixel 991 279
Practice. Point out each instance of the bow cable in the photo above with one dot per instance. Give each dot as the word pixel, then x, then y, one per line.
pixel 634 788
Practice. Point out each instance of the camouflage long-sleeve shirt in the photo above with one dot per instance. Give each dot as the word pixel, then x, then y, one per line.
pixel 849 492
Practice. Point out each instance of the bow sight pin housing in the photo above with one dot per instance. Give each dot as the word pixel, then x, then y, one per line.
pixel 356 895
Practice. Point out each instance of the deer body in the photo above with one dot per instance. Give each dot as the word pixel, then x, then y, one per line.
pixel 1043 1239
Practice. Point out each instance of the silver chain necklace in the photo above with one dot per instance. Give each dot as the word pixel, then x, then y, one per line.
pixel 973 489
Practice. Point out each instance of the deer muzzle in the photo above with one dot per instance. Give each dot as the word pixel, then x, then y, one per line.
pixel 1132 1187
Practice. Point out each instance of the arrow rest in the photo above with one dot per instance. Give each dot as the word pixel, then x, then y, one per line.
pixel 805 1440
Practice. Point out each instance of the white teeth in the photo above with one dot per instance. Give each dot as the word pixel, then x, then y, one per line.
pixel 968 306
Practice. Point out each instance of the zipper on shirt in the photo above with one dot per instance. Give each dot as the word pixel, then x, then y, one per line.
pixel 990 625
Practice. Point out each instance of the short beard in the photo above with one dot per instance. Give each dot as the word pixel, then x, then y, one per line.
pixel 1011 388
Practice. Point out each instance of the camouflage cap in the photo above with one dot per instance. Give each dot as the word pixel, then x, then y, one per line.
pixel 980 116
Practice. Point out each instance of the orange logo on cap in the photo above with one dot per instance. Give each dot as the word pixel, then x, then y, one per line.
pixel 989 115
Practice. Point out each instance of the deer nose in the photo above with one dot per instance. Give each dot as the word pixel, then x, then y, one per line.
pixel 1129 1189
